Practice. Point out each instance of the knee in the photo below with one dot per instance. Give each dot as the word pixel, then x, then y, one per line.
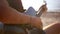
pixel 57 25
pixel 53 25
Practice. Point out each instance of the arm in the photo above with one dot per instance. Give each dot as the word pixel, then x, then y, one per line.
pixel 9 15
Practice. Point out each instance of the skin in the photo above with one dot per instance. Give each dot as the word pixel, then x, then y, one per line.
pixel 9 15
pixel 53 28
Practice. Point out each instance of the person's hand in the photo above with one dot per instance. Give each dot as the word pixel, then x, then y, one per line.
pixel 36 22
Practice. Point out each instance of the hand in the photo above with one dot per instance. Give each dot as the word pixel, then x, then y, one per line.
pixel 36 22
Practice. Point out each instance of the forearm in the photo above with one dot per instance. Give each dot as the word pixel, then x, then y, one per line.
pixel 11 16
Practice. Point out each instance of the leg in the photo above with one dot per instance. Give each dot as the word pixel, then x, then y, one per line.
pixel 54 29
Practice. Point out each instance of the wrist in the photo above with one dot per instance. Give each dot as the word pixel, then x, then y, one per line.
pixel 36 22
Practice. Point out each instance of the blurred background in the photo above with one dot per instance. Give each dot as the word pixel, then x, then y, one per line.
pixel 53 12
